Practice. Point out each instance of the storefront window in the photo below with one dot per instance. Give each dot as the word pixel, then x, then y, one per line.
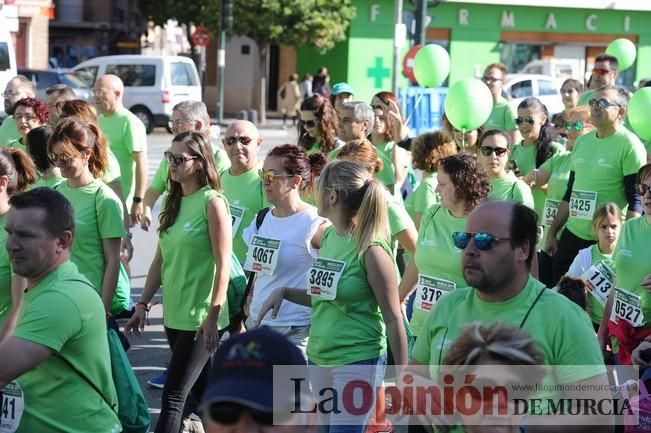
pixel 516 55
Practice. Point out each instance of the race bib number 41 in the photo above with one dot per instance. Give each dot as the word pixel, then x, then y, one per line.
pixel 323 277
pixel 12 405
pixel 627 306
pixel 429 290
pixel 600 279
pixel 583 204
pixel 262 256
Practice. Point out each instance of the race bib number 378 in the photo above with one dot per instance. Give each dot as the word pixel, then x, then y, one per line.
pixel 323 277
pixel 12 405
pixel 429 290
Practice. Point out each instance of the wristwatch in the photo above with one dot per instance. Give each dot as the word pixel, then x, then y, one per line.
pixel 137 199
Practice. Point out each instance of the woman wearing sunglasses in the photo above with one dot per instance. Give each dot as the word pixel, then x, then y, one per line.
pixel 555 173
pixel 352 288
pixel 192 263
pixel 19 172
pixel 317 130
pixel 29 113
pixel 435 269
pixel 630 303
pixel 78 150
pixel 494 157
pixel 285 246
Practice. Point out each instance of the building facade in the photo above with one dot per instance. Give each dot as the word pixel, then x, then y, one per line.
pixel 28 22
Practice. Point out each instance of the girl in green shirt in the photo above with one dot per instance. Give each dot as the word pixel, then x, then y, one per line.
pixel 352 288
pixel 18 172
pixel 192 263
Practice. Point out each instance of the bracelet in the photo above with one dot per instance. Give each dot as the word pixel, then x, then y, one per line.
pixel 143 306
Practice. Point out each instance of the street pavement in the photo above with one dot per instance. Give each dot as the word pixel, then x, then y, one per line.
pixel 150 353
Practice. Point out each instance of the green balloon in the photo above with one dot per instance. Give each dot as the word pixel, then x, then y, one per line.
pixel 468 104
pixel 625 52
pixel 638 112
pixel 431 65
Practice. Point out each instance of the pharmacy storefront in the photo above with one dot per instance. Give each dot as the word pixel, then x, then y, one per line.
pixel 551 37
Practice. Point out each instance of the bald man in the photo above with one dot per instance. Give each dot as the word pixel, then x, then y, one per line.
pixel 17 88
pixel 128 140
pixel 241 182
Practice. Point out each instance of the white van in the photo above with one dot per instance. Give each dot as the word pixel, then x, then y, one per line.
pixel 7 60
pixel 152 84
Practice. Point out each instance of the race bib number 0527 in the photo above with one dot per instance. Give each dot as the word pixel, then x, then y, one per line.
pixel 627 306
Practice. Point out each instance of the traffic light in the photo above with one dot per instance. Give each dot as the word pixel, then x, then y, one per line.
pixel 227 15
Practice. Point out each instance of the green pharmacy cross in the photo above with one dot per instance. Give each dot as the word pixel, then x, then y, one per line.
pixel 378 72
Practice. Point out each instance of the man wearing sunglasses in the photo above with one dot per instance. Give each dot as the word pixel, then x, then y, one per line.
pixel 603 169
pixel 241 395
pixel 604 73
pixel 501 116
pixel 498 246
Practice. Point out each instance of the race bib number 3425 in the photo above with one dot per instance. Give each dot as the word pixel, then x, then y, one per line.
pixel 583 204
pixel 323 277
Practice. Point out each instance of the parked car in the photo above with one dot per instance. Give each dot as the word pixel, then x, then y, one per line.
pixel 7 60
pixel 152 84
pixel 44 79
pixel 543 87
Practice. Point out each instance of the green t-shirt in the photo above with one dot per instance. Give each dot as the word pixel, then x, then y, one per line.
pixel 98 215
pixel 159 182
pixel 561 329
pixel 126 134
pixel 558 167
pixel 510 188
pixel 436 258
pixel 8 131
pixel 399 219
pixel 349 328
pixel 594 308
pixel 246 197
pixel 50 182
pixel 501 117
pixel 525 156
pixel 424 197
pixel 600 165
pixel 112 168
pixel 388 173
pixel 188 270
pixel 18 144
pixel 5 273
pixel 67 317
pixel 632 257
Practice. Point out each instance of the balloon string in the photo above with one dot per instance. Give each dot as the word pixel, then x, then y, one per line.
pixel 463 138
pixel 413 110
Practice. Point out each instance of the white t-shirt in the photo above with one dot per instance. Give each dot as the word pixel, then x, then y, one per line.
pixel 295 256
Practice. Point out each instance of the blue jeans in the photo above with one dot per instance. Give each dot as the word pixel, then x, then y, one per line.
pixel 337 378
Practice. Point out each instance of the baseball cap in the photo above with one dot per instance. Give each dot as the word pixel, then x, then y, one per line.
pixel 243 369
pixel 342 88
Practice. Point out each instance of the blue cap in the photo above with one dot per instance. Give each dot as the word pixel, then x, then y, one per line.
pixel 242 370
pixel 342 88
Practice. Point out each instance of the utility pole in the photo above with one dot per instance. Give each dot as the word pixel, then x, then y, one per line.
pixel 421 19
pixel 226 24
pixel 399 39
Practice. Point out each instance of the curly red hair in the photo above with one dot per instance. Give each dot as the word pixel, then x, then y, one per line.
pixel 40 109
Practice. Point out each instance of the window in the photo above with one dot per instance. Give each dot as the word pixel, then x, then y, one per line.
pixel 546 87
pixel 134 75
pixel 183 75
pixel 45 80
pixel 4 57
pixel 88 75
pixel 521 89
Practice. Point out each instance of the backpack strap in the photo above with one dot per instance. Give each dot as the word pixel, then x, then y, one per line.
pixel 259 219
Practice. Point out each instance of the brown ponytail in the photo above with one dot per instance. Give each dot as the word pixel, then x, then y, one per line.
pixel 18 167
pixel 76 136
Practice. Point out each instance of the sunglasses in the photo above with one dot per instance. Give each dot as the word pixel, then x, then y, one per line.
pixel 486 79
pixel 488 151
pixel 270 177
pixel 177 160
pixel 244 141
pixel 601 103
pixel 230 413
pixel 63 158
pixel 601 71
pixel 530 120
pixel 309 123
pixel 483 241
pixel 577 126
pixel 643 188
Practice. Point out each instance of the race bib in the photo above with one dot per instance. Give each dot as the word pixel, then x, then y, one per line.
pixel 550 210
pixel 583 204
pixel 600 279
pixel 429 290
pixel 627 306
pixel 262 256
pixel 236 217
pixel 12 404
pixel 323 277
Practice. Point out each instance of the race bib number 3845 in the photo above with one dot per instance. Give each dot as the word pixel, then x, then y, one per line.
pixel 12 405
pixel 323 277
